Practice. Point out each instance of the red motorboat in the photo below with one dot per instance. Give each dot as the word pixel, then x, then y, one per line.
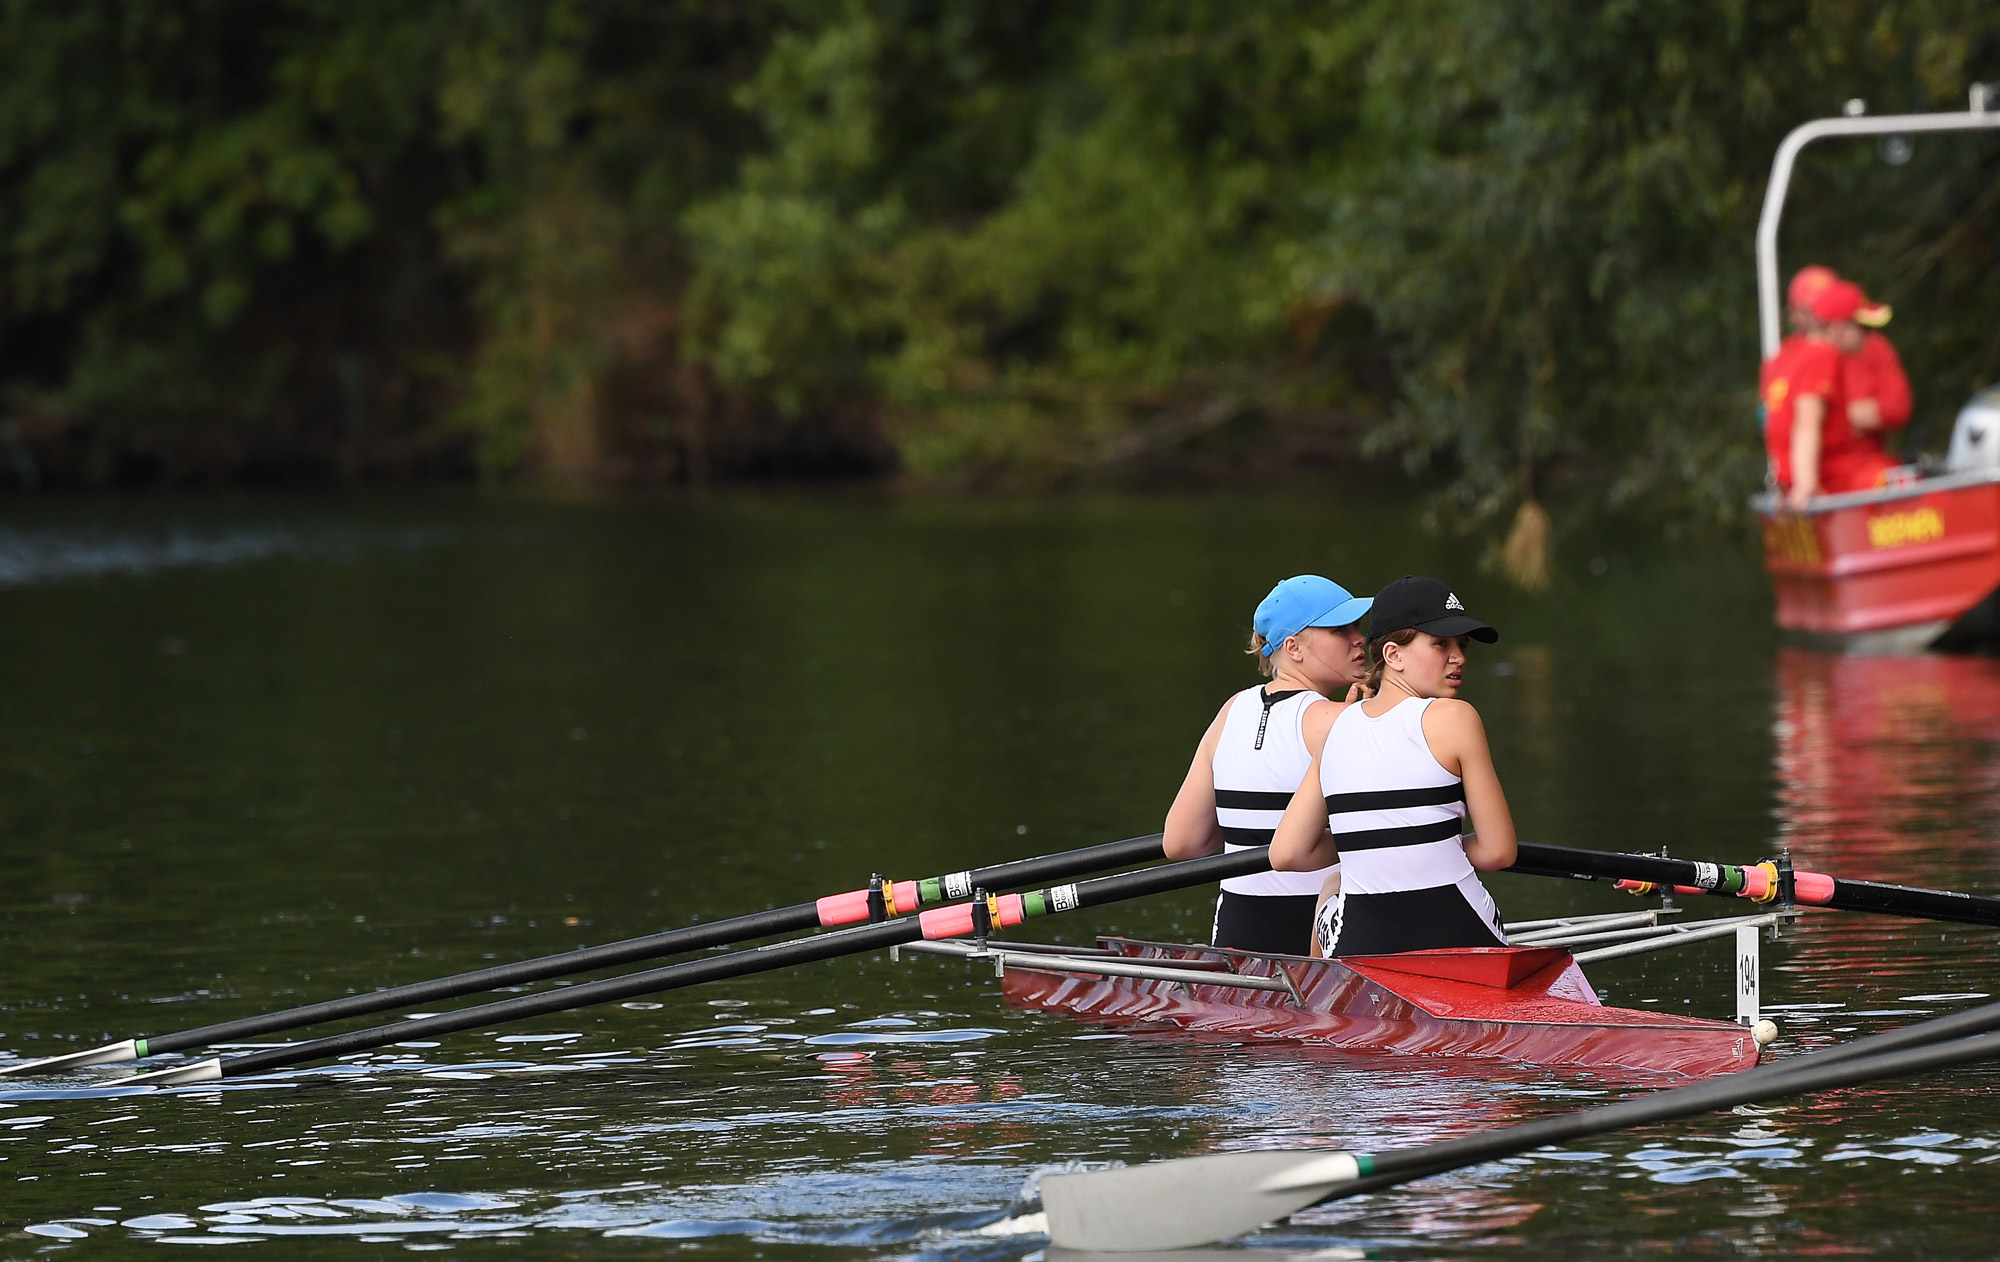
pixel 1912 564
pixel 1890 570
pixel 1527 1004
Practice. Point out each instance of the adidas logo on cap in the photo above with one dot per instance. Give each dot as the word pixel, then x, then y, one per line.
pixel 1451 602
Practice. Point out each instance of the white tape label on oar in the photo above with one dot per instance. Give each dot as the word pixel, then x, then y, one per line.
pixel 1064 898
pixel 1707 875
pixel 958 885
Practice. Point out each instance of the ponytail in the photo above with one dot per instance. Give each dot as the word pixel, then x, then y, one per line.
pixel 1373 684
pixel 1266 662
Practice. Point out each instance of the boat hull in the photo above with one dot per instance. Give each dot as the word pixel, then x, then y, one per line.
pixel 1545 1014
pixel 1885 571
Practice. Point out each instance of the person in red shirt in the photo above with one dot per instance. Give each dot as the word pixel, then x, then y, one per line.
pixel 1801 388
pixel 1800 293
pixel 1878 393
pixel 1852 454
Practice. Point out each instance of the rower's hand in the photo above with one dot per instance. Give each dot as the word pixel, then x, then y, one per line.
pixel 1360 692
pixel 1800 495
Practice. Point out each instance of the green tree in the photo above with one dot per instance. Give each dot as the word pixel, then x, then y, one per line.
pixel 1562 252
pixel 1508 244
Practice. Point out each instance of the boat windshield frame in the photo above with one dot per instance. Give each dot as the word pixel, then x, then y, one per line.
pixel 1982 114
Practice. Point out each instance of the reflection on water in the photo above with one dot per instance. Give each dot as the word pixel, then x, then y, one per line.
pixel 1889 767
pixel 784 1130
pixel 54 554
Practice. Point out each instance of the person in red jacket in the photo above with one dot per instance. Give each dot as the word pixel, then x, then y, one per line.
pixel 1853 456
pixel 1878 393
pixel 1800 293
pixel 1803 396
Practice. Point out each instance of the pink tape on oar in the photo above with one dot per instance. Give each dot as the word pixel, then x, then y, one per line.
pixel 899 897
pixel 1757 885
pixel 1813 887
pixel 956 922
pixel 1651 887
pixel 946 922
pixel 843 909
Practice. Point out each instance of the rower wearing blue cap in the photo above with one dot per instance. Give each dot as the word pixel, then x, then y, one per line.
pixel 1308 642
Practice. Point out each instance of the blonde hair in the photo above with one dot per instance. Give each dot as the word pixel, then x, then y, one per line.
pixel 1376 660
pixel 1266 665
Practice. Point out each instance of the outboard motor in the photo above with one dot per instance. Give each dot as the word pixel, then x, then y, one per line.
pixel 1975 438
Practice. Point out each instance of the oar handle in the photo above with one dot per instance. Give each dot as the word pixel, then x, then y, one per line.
pixel 941 922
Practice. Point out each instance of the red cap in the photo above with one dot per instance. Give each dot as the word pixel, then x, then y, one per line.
pixel 1808 283
pixel 1843 300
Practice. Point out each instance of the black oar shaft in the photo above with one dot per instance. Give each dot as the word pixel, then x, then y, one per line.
pixel 1906 900
pixel 1799 1076
pixel 1844 895
pixel 1980 1020
pixel 762 924
pixel 823 946
pixel 692 938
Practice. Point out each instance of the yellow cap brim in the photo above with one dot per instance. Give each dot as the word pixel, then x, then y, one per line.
pixel 1874 317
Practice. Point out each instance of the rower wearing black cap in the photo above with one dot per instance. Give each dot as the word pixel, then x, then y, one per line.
pixel 1389 793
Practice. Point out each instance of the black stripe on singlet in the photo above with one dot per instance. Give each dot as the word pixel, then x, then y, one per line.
pixel 1395 799
pixel 1252 800
pixel 1247 836
pixel 1409 835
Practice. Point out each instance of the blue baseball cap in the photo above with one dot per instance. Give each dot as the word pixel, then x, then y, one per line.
pixel 1305 600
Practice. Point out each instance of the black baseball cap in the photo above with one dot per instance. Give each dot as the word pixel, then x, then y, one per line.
pixel 1427 605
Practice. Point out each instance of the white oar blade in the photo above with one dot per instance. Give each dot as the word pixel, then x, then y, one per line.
pixel 1178 1204
pixel 109 1054
pixel 209 1070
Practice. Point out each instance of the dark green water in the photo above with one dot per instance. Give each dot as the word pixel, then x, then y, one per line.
pixel 258 752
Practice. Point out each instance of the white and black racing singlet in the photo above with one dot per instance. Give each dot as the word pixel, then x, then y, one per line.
pixel 1259 761
pixel 1397 817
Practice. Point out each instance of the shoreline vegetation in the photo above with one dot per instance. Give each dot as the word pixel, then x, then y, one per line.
pixel 1506 248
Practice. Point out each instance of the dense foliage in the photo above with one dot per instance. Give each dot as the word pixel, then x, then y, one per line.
pixel 1507 243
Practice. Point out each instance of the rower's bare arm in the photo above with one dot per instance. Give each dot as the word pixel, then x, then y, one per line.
pixel 1458 740
pixel 1191 830
pixel 1302 842
pixel 1864 414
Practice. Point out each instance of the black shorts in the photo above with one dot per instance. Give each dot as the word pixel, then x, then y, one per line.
pixel 1407 920
pixel 1278 924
